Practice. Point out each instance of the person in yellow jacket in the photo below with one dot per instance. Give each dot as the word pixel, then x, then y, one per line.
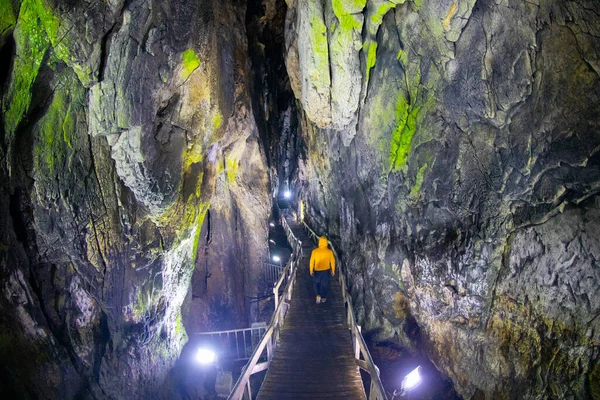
pixel 322 263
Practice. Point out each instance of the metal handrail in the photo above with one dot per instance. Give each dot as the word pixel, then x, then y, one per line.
pixel 235 344
pixel 242 387
pixel 272 272
pixel 377 391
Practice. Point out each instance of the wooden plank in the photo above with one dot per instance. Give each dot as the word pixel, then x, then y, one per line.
pixel 314 358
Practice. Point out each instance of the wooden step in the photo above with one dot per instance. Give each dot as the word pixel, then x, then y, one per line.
pixel 314 357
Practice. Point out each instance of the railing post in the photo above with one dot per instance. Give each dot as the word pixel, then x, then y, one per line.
pixel 356 343
pixel 269 350
pixel 349 315
pixel 249 390
pixel 276 294
pixel 372 394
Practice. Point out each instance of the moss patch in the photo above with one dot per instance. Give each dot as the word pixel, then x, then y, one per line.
pixel 346 7
pixel 406 119
pixel 318 36
pixel 37 29
pixel 7 16
pixel 411 108
pixel 190 63
pixel 179 327
pixel 57 128
pixel 370 49
pixel 416 188
pixel 32 43
pixel 318 41
pixel 217 120
pixel 232 169
pixel 382 9
pixel 350 22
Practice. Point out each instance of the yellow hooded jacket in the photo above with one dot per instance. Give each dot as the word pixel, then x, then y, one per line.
pixel 322 258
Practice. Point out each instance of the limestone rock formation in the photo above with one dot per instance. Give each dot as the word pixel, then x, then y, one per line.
pixel 123 124
pixel 449 148
pixel 463 188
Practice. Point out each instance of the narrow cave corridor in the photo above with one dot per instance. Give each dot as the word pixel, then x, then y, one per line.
pixel 160 159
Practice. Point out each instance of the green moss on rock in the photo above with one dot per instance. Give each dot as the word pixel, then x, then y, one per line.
pixel 406 119
pixel 350 22
pixel 318 37
pixel 371 52
pixel 57 129
pixel 32 43
pixel 190 63
pixel 37 29
pixel 382 9
pixel 347 7
pixel 217 120
pixel 7 16
pixel 232 169
pixel 416 189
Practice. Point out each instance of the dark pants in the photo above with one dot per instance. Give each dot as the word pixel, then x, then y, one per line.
pixel 321 281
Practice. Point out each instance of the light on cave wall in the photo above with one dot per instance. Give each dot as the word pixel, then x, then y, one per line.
pixel 206 356
pixel 276 259
pixel 287 194
pixel 410 382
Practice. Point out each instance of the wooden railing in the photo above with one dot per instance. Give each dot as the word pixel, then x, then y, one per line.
pixel 242 387
pixel 376 391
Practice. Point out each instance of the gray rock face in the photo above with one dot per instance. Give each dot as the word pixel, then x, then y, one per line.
pixel 122 125
pixel 313 60
pixel 465 200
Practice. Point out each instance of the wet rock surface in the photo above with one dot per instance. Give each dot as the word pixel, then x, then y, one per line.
pixel 464 194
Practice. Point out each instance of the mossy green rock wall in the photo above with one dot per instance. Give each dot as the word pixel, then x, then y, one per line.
pixel 467 183
pixel 122 125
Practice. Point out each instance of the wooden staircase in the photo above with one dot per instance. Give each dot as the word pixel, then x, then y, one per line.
pixel 314 358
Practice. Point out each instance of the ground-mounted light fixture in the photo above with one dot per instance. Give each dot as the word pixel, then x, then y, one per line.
pixel 276 259
pixel 410 382
pixel 206 356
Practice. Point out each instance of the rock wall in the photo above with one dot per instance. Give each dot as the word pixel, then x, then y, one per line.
pixel 451 150
pixel 123 124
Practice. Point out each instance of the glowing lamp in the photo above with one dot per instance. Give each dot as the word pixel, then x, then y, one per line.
pixel 205 356
pixel 412 380
pixel 287 194
pixel 276 258
pixel 272 241
pixel 271 224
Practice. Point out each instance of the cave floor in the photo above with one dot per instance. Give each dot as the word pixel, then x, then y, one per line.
pixel 314 358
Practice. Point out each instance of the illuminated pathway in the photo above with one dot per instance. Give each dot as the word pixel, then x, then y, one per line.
pixel 314 358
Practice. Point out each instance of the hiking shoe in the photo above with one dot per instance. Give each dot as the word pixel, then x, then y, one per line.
pixel 323 300
pixel 318 299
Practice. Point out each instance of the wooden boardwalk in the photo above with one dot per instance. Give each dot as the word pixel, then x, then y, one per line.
pixel 314 358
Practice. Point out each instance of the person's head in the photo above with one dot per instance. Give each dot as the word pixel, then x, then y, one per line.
pixel 323 241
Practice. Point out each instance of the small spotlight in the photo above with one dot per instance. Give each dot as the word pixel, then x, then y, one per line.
pixel 412 380
pixel 276 258
pixel 205 356
pixel 271 224
pixel 272 241
pixel 287 194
